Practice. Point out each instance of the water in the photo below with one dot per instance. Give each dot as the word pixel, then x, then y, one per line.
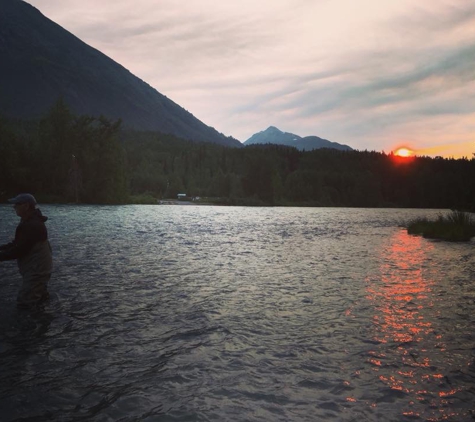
pixel 188 313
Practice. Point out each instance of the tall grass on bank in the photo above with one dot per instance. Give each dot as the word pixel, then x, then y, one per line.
pixel 457 226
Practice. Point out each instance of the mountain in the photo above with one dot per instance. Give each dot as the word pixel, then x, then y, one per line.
pixel 40 62
pixel 272 135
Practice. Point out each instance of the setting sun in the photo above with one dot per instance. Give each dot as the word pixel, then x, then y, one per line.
pixel 404 152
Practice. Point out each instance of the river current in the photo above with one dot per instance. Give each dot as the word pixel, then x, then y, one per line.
pixel 197 313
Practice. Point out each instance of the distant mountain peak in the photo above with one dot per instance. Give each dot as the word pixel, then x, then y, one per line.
pixel 273 135
pixel 272 129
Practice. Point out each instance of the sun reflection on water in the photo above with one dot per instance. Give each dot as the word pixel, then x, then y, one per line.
pixel 403 293
pixel 403 329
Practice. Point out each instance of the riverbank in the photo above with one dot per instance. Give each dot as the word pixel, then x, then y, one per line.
pixel 175 202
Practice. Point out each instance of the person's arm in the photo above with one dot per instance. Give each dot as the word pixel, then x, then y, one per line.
pixel 5 251
pixel 6 246
pixel 25 238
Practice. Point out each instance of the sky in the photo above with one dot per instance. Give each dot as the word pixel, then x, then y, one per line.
pixel 371 74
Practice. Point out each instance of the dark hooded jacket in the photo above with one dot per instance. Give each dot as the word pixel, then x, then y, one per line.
pixel 30 247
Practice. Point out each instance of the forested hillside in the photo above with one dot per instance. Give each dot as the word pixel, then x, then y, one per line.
pixel 67 158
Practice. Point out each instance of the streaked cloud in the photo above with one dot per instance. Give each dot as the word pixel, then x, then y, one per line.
pixel 369 74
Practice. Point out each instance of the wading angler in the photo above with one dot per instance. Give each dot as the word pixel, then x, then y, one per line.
pixel 32 251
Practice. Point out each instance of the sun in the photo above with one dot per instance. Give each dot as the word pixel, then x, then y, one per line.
pixel 403 155
pixel 404 152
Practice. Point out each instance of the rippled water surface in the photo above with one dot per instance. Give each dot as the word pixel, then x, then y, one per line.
pixel 184 313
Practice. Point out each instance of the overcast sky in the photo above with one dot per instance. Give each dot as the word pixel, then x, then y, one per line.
pixel 369 73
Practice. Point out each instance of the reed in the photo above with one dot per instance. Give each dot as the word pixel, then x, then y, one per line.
pixel 457 226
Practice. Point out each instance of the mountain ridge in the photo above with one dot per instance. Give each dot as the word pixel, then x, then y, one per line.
pixel 40 61
pixel 273 135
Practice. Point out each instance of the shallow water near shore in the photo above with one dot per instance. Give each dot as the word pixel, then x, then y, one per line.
pixel 196 313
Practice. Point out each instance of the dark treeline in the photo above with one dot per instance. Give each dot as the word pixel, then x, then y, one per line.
pixel 63 158
pixel 67 158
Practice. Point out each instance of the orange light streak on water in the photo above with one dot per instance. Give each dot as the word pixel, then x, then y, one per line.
pixel 448 393
pixel 402 301
pixel 402 294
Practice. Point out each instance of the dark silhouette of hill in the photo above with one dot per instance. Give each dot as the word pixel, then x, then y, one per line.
pixel 40 62
pixel 272 135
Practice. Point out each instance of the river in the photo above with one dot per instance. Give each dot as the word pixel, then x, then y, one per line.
pixel 201 313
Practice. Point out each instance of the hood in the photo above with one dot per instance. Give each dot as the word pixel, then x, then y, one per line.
pixel 38 216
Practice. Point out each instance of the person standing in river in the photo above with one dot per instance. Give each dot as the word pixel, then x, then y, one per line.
pixel 32 251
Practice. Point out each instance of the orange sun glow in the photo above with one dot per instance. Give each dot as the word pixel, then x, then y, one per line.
pixel 404 152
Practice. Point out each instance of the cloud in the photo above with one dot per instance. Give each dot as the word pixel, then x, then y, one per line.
pixel 363 73
pixel 426 88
